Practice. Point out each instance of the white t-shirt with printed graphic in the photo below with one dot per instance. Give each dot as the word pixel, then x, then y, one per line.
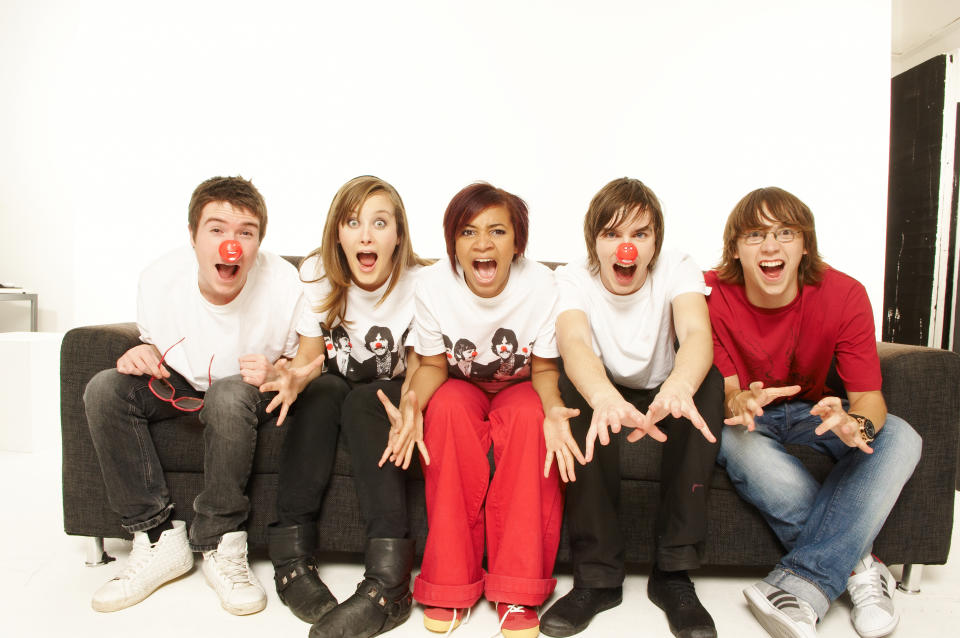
pixel 633 334
pixel 488 341
pixel 260 320
pixel 371 343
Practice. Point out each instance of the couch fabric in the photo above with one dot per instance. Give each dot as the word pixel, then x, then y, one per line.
pixel 921 385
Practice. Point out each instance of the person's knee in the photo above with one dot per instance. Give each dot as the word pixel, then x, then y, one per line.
pixel 106 387
pixel 903 439
pixel 230 406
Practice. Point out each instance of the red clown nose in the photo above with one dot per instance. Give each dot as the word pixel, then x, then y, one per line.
pixel 626 252
pixel 329 346
pixel 231 251
pixel 503 348
pixel 378 345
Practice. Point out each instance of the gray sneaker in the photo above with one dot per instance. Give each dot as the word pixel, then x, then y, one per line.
pixel 782 614
pixel 870 589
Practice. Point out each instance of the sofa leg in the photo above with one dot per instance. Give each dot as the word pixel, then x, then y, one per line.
pixel 96 555
pixel 910 583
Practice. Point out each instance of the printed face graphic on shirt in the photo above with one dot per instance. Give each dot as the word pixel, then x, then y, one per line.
pixel 485 249
pixel 620 272
pixel 465 350
pixel 379 340
pixel 504 343
pixel 448 348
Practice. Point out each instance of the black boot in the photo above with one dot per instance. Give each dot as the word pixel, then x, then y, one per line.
pixel 383 599
pixel 295 571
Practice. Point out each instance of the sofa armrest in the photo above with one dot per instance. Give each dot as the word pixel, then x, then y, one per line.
pixel 922 386
pixel 85 352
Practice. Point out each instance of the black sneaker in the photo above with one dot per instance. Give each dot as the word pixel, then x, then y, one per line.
pixel 572 613
pixel 674 594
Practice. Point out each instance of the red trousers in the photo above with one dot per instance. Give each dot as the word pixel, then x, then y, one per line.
pixel 521 510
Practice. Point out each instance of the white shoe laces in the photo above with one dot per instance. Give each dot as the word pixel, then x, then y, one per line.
pixel 233 569
pixel 510 610
pixel 453 621
pixel 866 588
pixel 140 555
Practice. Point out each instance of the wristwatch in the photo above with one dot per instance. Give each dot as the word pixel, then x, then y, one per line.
pixel 867 432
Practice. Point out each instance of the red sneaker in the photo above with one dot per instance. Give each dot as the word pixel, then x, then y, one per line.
pixel 518 621
pixel 443 620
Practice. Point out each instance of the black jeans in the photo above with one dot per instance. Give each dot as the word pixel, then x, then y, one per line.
pixel 120 408
pixel 593 500
pixel 310 448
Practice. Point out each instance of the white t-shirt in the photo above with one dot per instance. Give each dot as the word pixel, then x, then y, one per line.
pixel 633 334
pixel 260 320
pixel 489 342
pixel 371 344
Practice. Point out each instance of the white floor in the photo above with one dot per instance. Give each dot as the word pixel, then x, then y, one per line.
pixel 45 589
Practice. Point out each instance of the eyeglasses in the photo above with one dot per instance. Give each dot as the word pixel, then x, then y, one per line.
pixel 782 235
pixel 164 390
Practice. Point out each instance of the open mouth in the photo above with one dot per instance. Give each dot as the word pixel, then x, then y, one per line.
pixel 228 272
pixel 367 261
pixel 772 269
pixel 624 274
pixel 485 270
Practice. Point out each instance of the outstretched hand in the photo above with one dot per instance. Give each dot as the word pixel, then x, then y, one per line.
pixel 834 417
pixel 406 431
pixel 614 414
pixel 677 401
pixel 748 404
pixel 560 442
pixel 288 383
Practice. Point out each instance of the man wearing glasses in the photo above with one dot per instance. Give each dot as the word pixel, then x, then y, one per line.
pixel 222 313
pixel 780 315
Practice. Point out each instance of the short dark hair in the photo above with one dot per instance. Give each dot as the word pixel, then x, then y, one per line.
pixel 236 191
pixel 463 345
pixel 473 200
pixel 381 330
pixel 504 334
pixel 617 202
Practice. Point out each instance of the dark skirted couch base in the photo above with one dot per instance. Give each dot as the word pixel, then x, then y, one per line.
pixel 922 385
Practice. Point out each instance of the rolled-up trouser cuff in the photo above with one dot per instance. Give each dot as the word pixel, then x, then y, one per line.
pixel 518 591
pixel 449 596
pixel 800 587
pixel 151 522
pixel 675 559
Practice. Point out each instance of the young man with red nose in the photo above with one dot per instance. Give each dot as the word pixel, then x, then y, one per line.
pixel 780 315
pixel 620 312
pixel 214 320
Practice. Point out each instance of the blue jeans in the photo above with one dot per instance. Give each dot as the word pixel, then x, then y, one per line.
pixel 120 408
pixel 825 528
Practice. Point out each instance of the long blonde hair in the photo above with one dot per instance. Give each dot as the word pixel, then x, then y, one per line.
pixel 336 269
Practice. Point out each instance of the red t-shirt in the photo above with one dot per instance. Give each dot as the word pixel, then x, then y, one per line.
pixel 795 344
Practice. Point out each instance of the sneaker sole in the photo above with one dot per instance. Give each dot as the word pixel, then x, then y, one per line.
pixel 107 606
pixel 441 626
pixel 774 621
pixel 239 610
pixel 531 632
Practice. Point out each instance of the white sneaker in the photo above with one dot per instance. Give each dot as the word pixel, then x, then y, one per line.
pixel 148 567
pixel 228 573
pixel 782 614
pixel 871 590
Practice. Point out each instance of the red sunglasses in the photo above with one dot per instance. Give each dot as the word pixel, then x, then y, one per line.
pixel 164 391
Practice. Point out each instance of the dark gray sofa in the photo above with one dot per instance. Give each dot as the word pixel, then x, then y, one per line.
pixel 922 385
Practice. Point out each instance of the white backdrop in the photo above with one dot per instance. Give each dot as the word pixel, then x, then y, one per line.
pixel 112 112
